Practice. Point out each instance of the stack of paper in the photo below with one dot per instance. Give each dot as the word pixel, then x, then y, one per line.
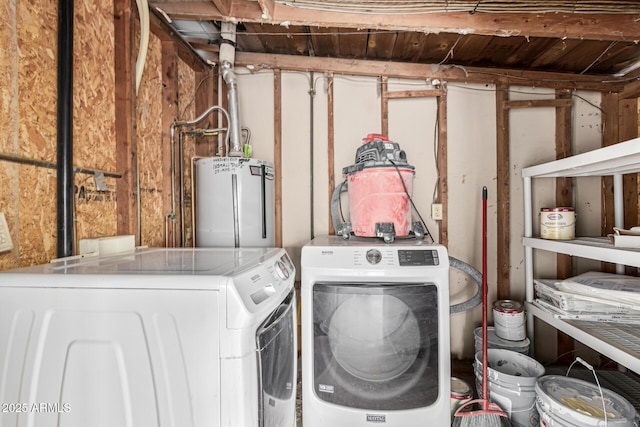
pixel 592 296
pixel 625 238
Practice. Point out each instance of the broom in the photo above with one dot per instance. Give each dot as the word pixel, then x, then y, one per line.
pixel 490 414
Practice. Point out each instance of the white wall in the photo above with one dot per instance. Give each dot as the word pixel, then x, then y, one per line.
pixel 471 146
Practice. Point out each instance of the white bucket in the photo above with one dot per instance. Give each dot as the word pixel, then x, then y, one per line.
pixel 558 223
pixel 512 378
pixel 558 398
pixel 497 342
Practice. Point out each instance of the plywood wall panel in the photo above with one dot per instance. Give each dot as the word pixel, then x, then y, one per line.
pixel 37 237
pixel 94 86
pixel 9 129
pixel 149 140
pixel 36 39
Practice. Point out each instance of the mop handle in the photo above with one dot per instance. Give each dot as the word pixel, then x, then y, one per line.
pixel 485 361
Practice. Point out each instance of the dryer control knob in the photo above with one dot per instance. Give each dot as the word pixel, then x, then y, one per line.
pixel 282 271
pixel 374 256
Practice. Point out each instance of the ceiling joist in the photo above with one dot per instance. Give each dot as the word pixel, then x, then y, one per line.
pixel 584 26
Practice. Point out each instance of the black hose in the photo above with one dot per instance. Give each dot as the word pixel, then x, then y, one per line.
pixel 64 169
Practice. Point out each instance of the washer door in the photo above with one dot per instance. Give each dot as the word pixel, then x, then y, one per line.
pixel 277 366
pixel 376 345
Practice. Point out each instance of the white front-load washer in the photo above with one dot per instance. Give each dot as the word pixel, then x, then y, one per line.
pixel 375 333
pixel 158 337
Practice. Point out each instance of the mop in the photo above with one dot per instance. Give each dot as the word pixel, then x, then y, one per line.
pixel 490 414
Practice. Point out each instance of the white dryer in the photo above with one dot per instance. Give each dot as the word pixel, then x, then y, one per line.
pixel 159 337
pixel 375 333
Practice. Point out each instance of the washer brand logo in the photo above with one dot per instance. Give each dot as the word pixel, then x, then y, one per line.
pixel 327 252
pixel 371 418
pixel 324 388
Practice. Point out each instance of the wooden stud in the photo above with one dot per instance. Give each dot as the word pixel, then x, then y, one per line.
pixel 169 115
pixel 564 197
pixel 442 168
pixel 502 190
pixel 126 152
pixel 628 126
pixel 277 151
pixel 206 96
pixel 384 105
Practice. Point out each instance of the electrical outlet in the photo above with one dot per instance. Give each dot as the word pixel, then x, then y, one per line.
pixel 5 237
pixel 436 211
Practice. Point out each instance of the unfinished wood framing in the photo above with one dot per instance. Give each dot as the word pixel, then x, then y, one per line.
pixel 441 161
pixel 571 26
pixel 502 191
pixel 423 71
pixel 169 115
pixel 126 153
pixel 564 197
pixel 277 152
pixel 206 96
pixel 330 147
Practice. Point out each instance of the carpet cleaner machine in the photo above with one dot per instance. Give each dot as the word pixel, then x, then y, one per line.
pixel 379 185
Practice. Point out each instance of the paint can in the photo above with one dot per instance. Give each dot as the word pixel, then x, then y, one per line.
pixel 558 223
pixel 461 393
pixel 508 320
pixel 569 402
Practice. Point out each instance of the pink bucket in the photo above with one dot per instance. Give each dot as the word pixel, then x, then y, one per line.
pixel 376 195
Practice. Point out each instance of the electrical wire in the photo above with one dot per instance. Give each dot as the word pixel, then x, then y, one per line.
pixel 404 186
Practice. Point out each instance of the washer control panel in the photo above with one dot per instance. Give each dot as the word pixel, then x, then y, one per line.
pixel 418 257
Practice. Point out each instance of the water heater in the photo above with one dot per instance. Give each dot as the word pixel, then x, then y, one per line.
pixel 234 202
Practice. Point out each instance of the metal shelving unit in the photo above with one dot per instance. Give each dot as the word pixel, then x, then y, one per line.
pixel 618 342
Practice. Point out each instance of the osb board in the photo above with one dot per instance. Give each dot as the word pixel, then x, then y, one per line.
pixel 149 141
pixel 9 206
pixel 8 85
pixel 186 107
pixel 94 86
pixel 37 82
pixel 8 128
pixel 37 220
pixel 95 210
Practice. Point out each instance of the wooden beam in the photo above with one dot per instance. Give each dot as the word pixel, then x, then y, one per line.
pixel 610 135
pixel 443 188
pixel 502 190
pixel 224 6
pixel 165 32
pixel 534 103
pixel 628 126
pixel 416 93
pixel 564 197
pixel 423 71
pixel 384 106
pixel 632 90
pixel 206 96
pixel 330 146
pixel 267 6
pixel 277 152
pixel 169 115
pixel 125 122
pixel 581 26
